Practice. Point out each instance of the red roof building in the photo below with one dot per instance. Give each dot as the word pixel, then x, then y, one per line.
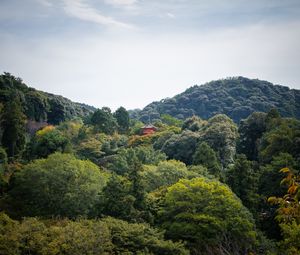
pixel 148 129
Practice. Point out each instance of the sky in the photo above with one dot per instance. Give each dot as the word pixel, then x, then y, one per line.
pixel 132 52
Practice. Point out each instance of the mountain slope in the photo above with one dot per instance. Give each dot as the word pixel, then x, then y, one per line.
pixel 236 97
pixel 38 105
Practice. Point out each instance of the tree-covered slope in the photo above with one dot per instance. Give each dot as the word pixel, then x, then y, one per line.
pixel 236 97
pixel 39 105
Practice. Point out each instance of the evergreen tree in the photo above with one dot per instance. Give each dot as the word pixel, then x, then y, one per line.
pixel 14 120
pixel 104 121
pixel 122 118
pixel 243 181
pixel 206 156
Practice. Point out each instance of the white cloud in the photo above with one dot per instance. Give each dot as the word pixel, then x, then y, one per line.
pixel 133 71
pixel 170 15
pixel 81 10
pixel 121 2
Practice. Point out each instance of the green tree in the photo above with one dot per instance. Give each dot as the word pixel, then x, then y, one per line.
pixel 14 120
pixel 251 130
pixel 104 121
pixel 221 135
pixel 60 185
pixel 47 141
pixel 125 158
pixel 140 238
pixel 194 124
pixel 117 199
pixel 171 121
pixel 181 146
pixel 243 180
pixel 288 213
pixel 209 216
pixel 281 137
pixel 269 185
pixel 122 117
pixel 205 155
pixel 165 174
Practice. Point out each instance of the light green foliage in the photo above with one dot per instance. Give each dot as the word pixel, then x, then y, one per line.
pixel 243 180
pixel 205 155
pixel 48 141
pixel 3 156
pixel 60 185
pixel 141 239
pixel 122 117
pixel 71 129
pixel 32 236
pixel 290 245
pixel 209 216
pixel 88 237
pixel 171 121
pixel 104 121
pixel 165 173
pixel 135 127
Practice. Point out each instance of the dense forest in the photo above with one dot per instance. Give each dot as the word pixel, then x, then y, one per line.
pixel 89 181
pixel 236 97
pixel 38 105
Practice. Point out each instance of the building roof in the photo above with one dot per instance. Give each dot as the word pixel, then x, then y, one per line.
pixel 149 126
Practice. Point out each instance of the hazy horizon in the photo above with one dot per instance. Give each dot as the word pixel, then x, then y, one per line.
pixel 132 52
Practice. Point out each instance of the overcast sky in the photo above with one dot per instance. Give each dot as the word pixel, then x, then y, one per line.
pixel 133 52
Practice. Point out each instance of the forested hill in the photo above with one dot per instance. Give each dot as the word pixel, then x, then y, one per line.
pixel 236 97
pixel 38 105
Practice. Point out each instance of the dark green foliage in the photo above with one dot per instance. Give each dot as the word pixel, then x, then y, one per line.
pixel 269 185
pixel 104 121
pixel 282 136
pixel 13 139
pixel 60 185
pixel 243 180
pixel 181 146
pixel 125 158
pixel 208 216
pixel 221 135
pixel 122 117
pixel 205 155
pixel 117 199
pixel 38 105
pixel 236 97
pixel 124 197
pixel 251 130
pixel 194 124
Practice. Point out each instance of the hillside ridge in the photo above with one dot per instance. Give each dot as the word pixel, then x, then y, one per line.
pixel 236 97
